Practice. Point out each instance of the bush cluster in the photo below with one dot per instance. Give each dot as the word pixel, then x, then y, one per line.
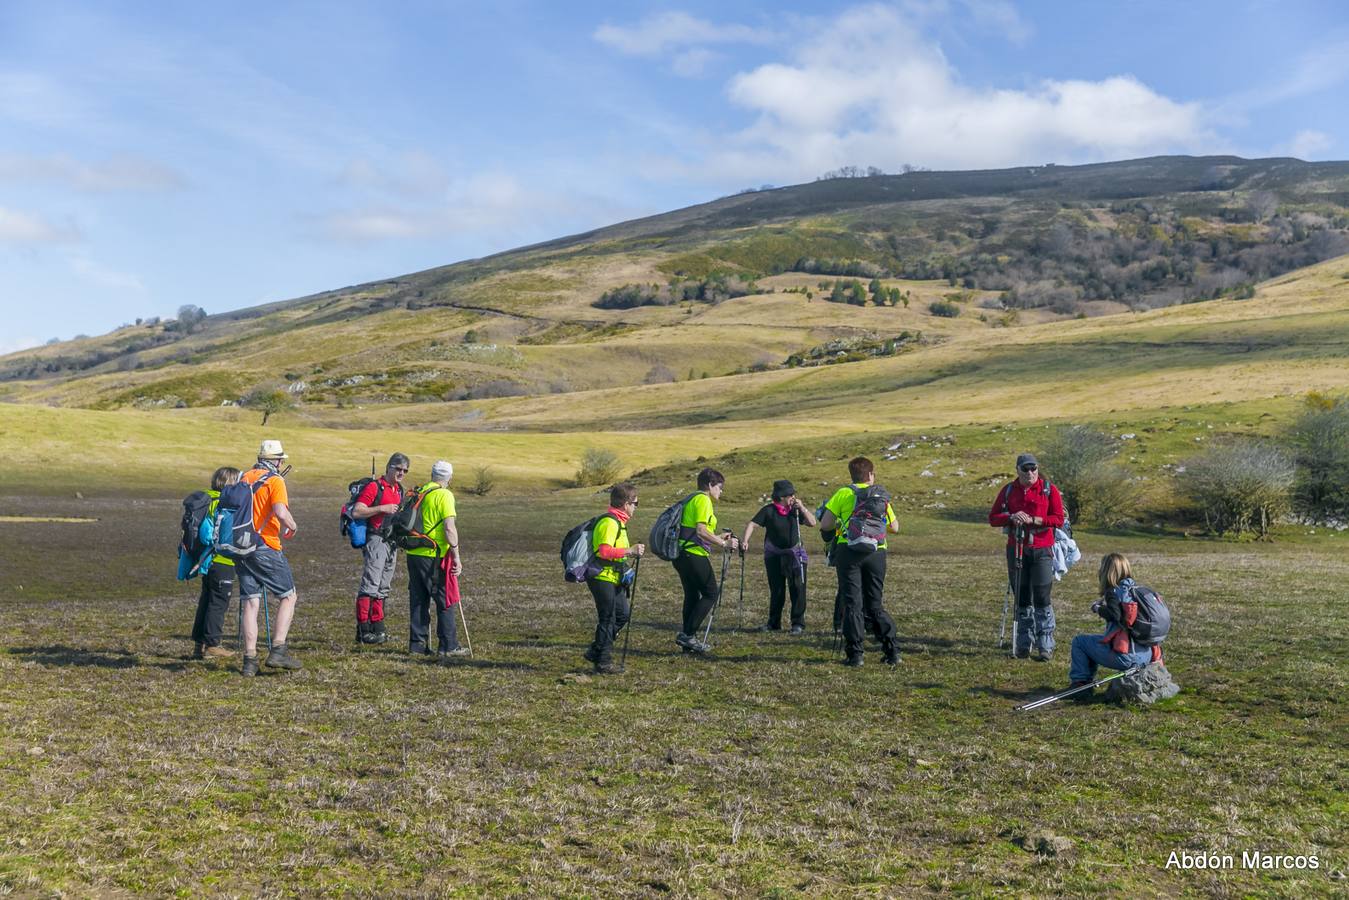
pixel 598 466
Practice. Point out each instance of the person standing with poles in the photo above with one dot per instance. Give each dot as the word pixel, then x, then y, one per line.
pixel 1028 509
pixel 266 568
pixel 783 556
pixel 611 584
pixel 861 516
pixel 379 556
pixel 697 535
pixel 433 571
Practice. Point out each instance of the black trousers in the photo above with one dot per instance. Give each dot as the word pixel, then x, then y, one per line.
pixel 426 589
pixel 216 587
pixel 612 610
pixel 863 579
pixel 839 595
pixel 782 575
pixel 1034 581
pixel 700 589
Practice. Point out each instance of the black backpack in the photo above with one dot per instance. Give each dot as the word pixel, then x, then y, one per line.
pixel 1154 619
pixel 865 531
pixel 196 507
pixel 406 528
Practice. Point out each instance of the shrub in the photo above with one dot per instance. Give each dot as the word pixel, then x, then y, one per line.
pixel 1320 438
pixel 659 374
pixel 944 308
pixel 484 479
pixel 1239 487
pixel 1107 495
pixel 267 399
pixel 598 466
pixel 1069 457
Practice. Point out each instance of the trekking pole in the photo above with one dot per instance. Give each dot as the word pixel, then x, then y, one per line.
pixel 1002 629
pixel 463 618
pixel 1045 701
pixel 267 620
pixel 1016 589
pixel 627 626
pixel 721 589
pixel 740 604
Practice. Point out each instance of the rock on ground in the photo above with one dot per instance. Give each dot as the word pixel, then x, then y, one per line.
pixel 1148 686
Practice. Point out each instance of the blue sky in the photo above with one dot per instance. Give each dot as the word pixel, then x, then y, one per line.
pixel 154 155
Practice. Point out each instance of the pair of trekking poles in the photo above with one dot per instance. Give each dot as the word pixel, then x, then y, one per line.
pixel 1012 598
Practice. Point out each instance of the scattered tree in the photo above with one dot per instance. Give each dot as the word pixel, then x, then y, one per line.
pixel 598 466
pixel 268 399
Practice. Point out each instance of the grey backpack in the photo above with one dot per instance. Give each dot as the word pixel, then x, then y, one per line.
pixel 666 532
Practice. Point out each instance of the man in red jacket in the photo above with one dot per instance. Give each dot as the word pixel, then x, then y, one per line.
pixel 1029 509
pixel 378 499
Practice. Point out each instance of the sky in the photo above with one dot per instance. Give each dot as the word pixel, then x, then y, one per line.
pixel 154 155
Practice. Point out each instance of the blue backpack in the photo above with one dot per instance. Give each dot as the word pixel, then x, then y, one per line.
pixel 236 535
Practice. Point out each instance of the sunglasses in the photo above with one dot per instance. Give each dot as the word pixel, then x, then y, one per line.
pixel 402 469
pixel 1029 468
pixel 632 502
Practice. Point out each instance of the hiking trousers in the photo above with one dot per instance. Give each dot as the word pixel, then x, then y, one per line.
pixel 863 579
pixel 612 609
pixel 784 574
pixel 1032 585
pixel 426 589
pixel 378 560
pixel 216 586
pixel 700 589
pixel 867 620
pixel 1091 650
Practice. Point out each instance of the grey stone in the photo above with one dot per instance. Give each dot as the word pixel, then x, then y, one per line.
pixel 1148 686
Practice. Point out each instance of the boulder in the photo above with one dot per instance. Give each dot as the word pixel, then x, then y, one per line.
pixel 1148 686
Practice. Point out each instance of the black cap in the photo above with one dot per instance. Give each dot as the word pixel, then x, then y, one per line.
pixel 783 488
pixel 1026 459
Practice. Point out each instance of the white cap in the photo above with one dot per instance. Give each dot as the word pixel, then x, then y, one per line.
pixel 271 450
pixel 440 471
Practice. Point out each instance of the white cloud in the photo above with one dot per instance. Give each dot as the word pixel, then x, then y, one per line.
pixel 415 173
pixel 103 276
pixel 494 206
pixel 1309 144
pixel 125 173
pixel 663 32
pixel 23 228
pixel 908 105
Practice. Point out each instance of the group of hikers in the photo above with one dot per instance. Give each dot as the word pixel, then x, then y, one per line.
pixel 237 527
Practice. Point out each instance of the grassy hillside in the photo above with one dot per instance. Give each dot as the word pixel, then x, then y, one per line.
pixel 1012 248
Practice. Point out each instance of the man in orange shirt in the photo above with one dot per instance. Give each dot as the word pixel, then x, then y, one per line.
pixel 266 568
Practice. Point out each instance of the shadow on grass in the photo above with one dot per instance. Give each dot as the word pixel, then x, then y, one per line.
pixel 61 655
pixel 1034 693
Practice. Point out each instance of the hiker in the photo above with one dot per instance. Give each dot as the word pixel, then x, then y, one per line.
pixel 216 585
pixel 266 568
pixel 784 558
pixel 379 556
pixel 697 535
pixel 861 516
pixel 1028 509
pixel 1115 648
pixel 433 571
pixel 611 584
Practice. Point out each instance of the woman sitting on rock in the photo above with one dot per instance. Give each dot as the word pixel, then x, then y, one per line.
pixel 1136 623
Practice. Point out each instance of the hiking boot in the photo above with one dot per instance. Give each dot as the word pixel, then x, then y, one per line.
pixel 362 629
pixel 691 644
pixel 768 626
pixel 853 660
pixel 457 651
pixel 379 632
pixel 798 629
pixel 217 652
pixel 250 667
pixel 591 655
pixel 280 658
pixel 370 636
pixel 892 656
pixel 1021 654
pixel 198 652
pixel 1082 696
pixel 418 649
pixel 1043 655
